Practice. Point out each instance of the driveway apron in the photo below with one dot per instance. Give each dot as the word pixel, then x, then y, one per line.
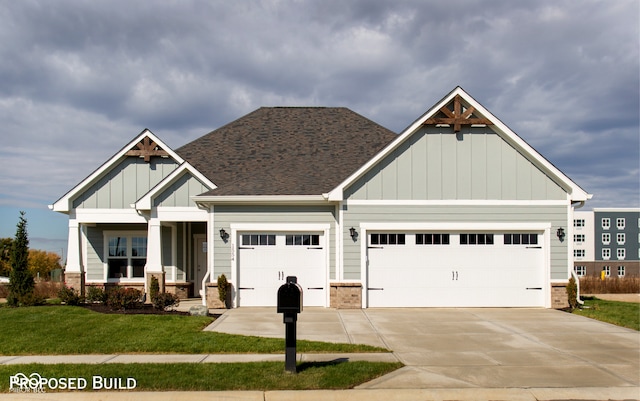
pixel 468 348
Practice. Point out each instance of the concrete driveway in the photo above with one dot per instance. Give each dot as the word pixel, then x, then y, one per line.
pixel 469 348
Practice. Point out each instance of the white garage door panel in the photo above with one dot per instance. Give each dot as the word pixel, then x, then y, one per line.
pixel 264 268
pixel 455 275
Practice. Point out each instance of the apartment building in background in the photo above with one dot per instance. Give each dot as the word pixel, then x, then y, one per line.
pixel 607 239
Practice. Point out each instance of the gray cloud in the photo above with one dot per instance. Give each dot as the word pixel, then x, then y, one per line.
pixel 80 79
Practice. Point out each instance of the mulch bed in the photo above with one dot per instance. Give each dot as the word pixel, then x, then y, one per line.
pixel 144 310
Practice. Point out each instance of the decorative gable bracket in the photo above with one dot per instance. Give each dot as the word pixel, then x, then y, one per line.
pixel 456 116
pixel 147 148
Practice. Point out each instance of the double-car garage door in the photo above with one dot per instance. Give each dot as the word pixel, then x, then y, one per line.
pixel 455 269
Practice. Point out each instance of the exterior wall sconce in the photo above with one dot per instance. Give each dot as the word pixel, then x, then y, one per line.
pixel 560 234
pixel 353 233
pixel 223 234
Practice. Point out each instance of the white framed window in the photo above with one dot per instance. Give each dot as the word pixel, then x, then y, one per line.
pixel 621 238
pixel 578 222
pixel 620 223
pixel 620 271
pixel 432 239
pixel 302 239
pixel 521 239
pixel 606 223
pixel 476 239
pixel 606 253
pixel 581 271
pixel 387 239
pixel 578 253
pixel 126 255
pixel 621 253
pixel 258 239
pixel 607 271
pixel 606 238
pixel 578 238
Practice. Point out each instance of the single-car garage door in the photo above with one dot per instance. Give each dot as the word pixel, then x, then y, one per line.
pixel 461 269
pixel 266 259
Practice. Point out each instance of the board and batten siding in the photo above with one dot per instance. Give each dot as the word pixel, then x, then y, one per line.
pixel 225 216
pixel 437 164
pixel 180 192
pixel 125 183
pixel 356 214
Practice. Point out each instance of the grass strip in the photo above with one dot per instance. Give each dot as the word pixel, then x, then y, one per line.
pixel 209 376
pixel 65 330
pixel 625 314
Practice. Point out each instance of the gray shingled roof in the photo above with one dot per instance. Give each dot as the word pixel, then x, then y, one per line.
pixel 286 150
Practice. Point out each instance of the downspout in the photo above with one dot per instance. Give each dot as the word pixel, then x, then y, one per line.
pixel 573 272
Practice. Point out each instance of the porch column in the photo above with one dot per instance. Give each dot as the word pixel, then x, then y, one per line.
pixel 74 276
pixel 153 268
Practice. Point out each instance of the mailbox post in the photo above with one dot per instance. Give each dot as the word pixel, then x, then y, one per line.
pixel 290 304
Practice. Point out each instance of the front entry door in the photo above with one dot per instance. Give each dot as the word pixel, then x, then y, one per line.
pixel 199 262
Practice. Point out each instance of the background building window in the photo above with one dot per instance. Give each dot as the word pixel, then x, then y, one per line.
pixel 621 253
pixel 606 253
pixel 620 271
pixel 581 271
pixel 578 222
pixel 607 271
pixel 578 238
pixel 606 223
pixel 620 223
pixel 606 238
pixel 578 253
pixel 621 237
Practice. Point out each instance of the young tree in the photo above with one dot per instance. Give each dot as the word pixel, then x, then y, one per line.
pixel 41 263
pixel 21 284
pixel 5 256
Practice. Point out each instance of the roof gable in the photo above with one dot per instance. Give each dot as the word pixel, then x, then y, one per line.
pixel 458 109
pixel 145 145
pixel 286 151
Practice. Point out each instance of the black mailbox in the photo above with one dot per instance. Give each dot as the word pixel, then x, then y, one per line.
pixel 290 296
pixel 290 304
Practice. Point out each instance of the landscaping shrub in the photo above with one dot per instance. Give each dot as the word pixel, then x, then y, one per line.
pixel 4 291
pixel 165 300
pixel 223 285
pixel 154 287
pixel 96 295
pixel 124 298
pixel 610 285
pixel 572 293
pixel 69 296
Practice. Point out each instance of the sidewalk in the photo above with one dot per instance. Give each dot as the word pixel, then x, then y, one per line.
pixel 476 394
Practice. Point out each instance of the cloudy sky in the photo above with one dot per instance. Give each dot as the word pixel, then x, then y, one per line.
pixel 79 79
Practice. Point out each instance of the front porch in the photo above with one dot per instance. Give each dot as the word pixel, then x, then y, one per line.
pixel 130 254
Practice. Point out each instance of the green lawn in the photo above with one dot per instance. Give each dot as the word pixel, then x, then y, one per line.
pixel 51 330
pixel 625 314
pixel 212 376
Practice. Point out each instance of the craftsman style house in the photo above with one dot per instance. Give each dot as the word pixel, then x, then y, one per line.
pixel 457 210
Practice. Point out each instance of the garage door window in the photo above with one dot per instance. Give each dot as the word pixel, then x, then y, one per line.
pixel 432 239
pixel 387 239
pixel 476 239
pixel 303 240
pixel 259 239
pixel 521 239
